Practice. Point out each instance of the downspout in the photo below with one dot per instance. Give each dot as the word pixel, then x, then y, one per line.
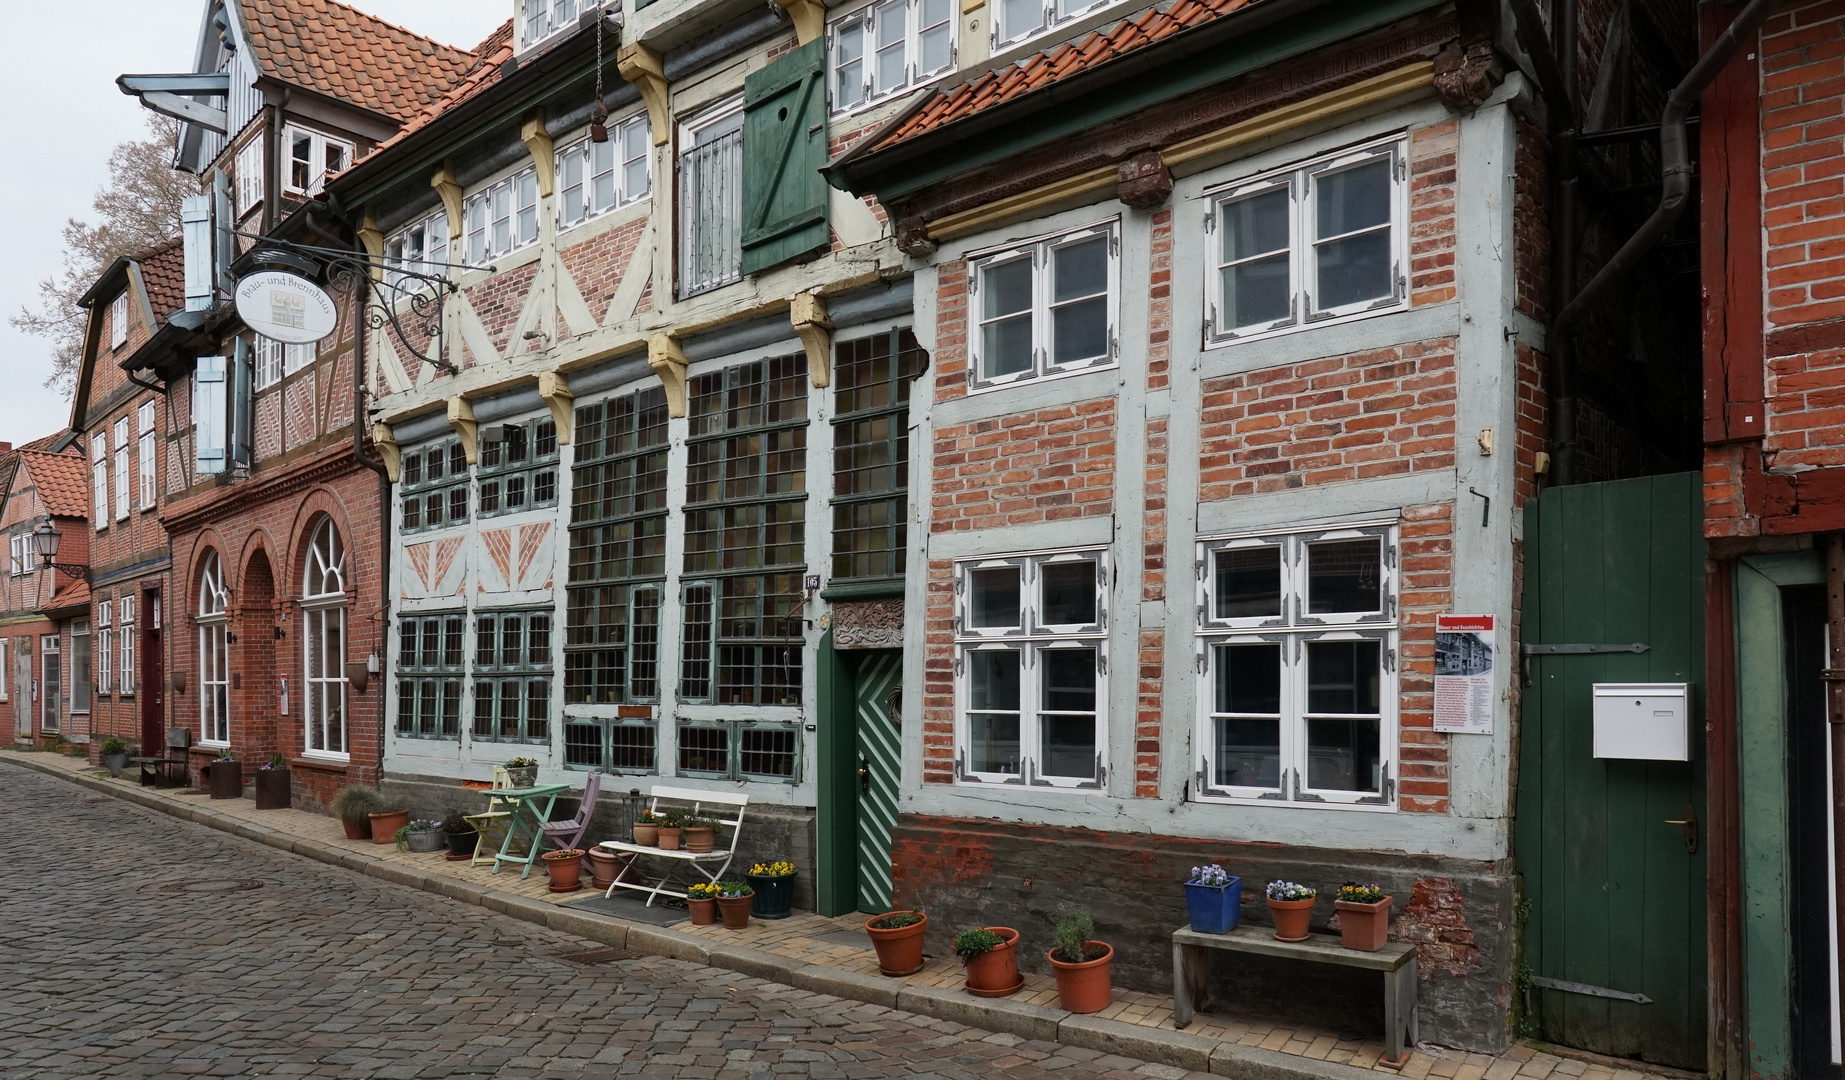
pixel 1834 676
pixel 1676 171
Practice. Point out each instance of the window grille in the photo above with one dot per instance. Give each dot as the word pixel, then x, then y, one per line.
pixel 871 452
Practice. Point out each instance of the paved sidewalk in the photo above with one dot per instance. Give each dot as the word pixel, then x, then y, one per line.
pixel 831 955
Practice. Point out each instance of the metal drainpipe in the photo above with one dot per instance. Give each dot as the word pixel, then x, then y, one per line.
pixel 1675 170
pixel 1834 675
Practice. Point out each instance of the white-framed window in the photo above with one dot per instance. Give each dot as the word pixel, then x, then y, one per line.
pixel 420 247
pixel 1016 20
pixel 1031 670
pixel 125 633
pixel 105 646
pixel 711 198
pixel 540 19
pixel 884 48
pixel 502 218
pixel 214 659
pixel 118 320
pixel 146 464
pixel 310 158
pixel 596 177
pixel 323 641
pixel 275 359
pixel 1046 307
pixel 1311 243
pixel 249 175
pixel 99 480
pixel 1297 662
pixel 19 553
pixel 51 684
pixel 122 501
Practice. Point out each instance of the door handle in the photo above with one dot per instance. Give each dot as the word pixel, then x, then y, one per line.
pixel 1690 824
pixel 864 775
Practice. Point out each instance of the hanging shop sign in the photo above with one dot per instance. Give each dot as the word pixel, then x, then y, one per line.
pixel 286 308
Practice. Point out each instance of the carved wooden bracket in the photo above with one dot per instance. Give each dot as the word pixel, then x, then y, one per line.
pixel 647 71
pixel 446 186
pixel 809 18
pixel 538 141
pixel 388 451
pixel 808 314
pixel 461 418
pixel 373 239
pixel 556 392
pixel 668 362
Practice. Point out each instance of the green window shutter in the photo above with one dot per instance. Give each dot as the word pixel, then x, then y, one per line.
pixel 784 145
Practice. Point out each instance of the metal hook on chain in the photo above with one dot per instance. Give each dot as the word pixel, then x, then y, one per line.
pixel 599 113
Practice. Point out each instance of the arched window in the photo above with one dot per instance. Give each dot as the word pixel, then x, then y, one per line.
pixel 214 662
pixel 323 640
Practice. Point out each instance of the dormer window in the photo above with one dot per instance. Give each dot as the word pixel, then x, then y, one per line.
pixel 118 321
pixel 539 19
pixel 312 157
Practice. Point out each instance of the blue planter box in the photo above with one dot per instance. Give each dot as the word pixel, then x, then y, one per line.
pixel 1215 910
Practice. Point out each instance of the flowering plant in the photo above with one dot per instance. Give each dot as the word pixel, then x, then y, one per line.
pixel 778 868
pixel 275 762
pixel 732 889
pixel 521 763
pixel 1212 876
pixel 648 817
pixel 1288 890
pixel 422 825
pixel 1353 893
pixel 226 755
pixel 701 892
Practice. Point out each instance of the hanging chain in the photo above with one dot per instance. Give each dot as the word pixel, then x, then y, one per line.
pixel 599 113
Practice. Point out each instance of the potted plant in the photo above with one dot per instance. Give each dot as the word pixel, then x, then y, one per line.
pixel 991 956
pixel 733 901
pixel 702 901
pixel 461 836
pixel 114 755
pixel 354 806
pixel 421 835
pixel 669 832
pixel 1214 898
pixel 1080 962
pixel 273 790
pixel 565 868
pixel 226 776
pixel 1364 916
pixel 1292 908
pixel 385 824
pixel 774 885
pixel 699 834
pixel 522 772
pixel 647 829
pixel 606 866
pixel 898 937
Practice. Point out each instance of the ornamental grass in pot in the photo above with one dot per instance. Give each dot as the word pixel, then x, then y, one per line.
pixel 701 900
pixel 461 835
pixel 114 755
pixel 1291 905
pixel 274 791
pixel 1081 963
pixel 733 900
pixel 898 937
pixel 1364 916
pixel 1214 898
pixel 354 806
pixel 647 829
pixel 991 956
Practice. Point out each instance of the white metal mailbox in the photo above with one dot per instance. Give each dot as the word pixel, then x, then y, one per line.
pixel 1643 721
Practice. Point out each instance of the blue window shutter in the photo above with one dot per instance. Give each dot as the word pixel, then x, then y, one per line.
pixel 241 404
pixel 784 145
pixel 208 400
pixel 195 231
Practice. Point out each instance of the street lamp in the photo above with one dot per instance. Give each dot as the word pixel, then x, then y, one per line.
pixel 45 540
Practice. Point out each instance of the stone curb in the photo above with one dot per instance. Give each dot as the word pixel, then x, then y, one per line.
pixel 1037 1022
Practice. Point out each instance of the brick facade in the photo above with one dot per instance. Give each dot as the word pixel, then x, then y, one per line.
pixel 1046 465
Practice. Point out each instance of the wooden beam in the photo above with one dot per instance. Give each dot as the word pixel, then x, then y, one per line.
pixel 446 186
pixel 555 390
pixel 647 71
pixel 538 141
pixel 808 314
pixel 809 18
pixel 668 362
pixel 461 418
pixel 183 108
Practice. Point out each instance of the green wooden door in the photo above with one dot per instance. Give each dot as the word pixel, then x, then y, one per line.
pixel 875 698
pixel 1616 901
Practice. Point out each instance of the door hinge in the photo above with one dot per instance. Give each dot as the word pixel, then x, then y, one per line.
pixel 1567 987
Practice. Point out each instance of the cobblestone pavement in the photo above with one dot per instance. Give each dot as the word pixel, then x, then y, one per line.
pixel 135 945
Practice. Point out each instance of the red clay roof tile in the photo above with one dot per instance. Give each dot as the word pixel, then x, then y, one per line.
pixel 342 52
pixel 493 52
pixel 62 480
pixel 163 271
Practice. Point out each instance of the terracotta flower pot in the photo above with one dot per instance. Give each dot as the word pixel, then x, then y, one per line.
pixel 995 973
pixel 385 824
pixel 565 868
pixel 1364 927
pixel 605 867
pixel 736 911
pixel 357 830
pixel 1084 987
pixel 900 950
pixel 699 839
pixel 669 839
pixel 647 835
pixel 705 912
pixel 1291 918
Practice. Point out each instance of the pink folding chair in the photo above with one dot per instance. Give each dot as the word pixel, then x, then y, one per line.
pixel 569 834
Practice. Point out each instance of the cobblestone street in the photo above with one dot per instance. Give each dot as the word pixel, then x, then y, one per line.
pixel 135 945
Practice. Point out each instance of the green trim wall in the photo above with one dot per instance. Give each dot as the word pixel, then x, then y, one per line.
pixel 1767 870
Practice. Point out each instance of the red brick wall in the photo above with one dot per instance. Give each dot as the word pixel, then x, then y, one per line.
pixel 1159 303
pixel 1431 212
pixel 939 675
pixel 1425 589
pixel 497 301
pixel 1049 465
pixel 951 360
pixel 1531 221
pixel 1803 169
pixel 598 264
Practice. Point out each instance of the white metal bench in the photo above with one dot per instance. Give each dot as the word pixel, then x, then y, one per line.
pixel 712 804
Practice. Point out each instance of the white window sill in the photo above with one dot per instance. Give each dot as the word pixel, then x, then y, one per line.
pixel 210 744
pixel 1293 804
pixel 322 755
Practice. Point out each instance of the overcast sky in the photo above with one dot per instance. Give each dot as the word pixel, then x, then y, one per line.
pixel 66 116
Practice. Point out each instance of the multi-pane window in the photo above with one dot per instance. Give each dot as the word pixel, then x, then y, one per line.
pixel 617 550
pixel 502 218
pixel 888 47
pixel 1298 661
pixel 1046 307
pixel 311 158
pixel 740 750
pixel 871 452
pixel 1315 242
pixel 596 177
pixel 539 19
pixel 214 659
pixel 429 670
pixel 99 480
pixel 1031 669
pixel 80 694
pixel 745 516
pixel 711 199
pixel 125 635
pixel 145 449
pixel 105 645
pixel 118 320
pixel 611 745
pixel 1017 20
pixel 19 553
pixel 249 175
pixel 275 359
pixel 419 247
pixel 323 641
pixel 512 676
pixel 518 467
pixel 435 486
pixel 120 446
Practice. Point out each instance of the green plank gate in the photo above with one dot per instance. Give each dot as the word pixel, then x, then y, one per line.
pixel 1613 926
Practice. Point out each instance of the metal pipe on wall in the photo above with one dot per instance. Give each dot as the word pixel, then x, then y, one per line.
pixel 1834 676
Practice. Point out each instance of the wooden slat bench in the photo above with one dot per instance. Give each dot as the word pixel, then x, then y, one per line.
pixel 1191 967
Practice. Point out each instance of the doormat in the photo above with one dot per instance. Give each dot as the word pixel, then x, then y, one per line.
pixel 632 906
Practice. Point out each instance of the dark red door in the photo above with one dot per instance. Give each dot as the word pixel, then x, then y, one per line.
pixel 153 677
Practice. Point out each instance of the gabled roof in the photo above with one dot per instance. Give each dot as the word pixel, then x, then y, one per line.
pixel 62 480
pixel 344 53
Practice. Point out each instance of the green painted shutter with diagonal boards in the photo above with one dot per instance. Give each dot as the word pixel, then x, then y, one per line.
pixel 784 145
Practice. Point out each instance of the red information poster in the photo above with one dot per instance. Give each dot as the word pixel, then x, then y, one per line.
pixel 1464 674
